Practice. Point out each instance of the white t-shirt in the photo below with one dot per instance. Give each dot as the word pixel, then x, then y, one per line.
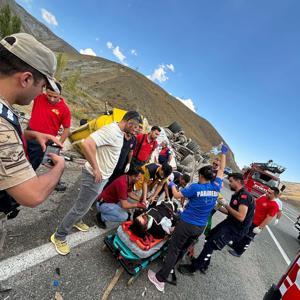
pixel 279 203
pixel 109 142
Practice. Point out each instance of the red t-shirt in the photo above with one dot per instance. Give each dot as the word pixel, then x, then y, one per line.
pixel 263 208
pixel 146 148
pixel 47 117
pixel 117 190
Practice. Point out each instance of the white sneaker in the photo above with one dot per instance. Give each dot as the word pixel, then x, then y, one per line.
pixel 159 285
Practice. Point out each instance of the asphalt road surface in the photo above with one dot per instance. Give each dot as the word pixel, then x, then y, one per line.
pixel 29 264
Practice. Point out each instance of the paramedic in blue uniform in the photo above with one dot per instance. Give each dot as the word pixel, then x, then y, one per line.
pixel 240 213
pixel 202 198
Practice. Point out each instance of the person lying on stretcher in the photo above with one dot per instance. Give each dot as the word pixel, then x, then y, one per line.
pixel 158 221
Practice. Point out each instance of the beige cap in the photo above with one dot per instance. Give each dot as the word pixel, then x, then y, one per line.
pixel 35 54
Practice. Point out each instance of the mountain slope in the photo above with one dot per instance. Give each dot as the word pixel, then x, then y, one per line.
pixel 40 31
pixel 103 80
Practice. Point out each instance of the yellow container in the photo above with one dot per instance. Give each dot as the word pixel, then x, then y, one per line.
pixel 85 130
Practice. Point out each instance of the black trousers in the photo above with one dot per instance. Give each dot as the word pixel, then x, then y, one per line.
pixel 181 239
pixel 35 153
pixel 217 239
pixel 242 245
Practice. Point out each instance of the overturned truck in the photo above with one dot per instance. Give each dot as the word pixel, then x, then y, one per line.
pixel 187 153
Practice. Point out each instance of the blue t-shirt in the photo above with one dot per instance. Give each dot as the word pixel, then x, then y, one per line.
pixel 202 199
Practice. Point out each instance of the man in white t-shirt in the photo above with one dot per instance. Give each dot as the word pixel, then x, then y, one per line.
pixel 102 150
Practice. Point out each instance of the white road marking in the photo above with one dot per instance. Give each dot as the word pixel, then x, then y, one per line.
pixel 284 255
pixel 293 211
pixel 16 264
pixel 289 218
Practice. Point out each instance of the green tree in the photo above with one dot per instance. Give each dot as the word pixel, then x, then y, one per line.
pixel 9 23
pixel 61 64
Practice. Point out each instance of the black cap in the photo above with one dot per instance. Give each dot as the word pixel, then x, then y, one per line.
pixel 133 115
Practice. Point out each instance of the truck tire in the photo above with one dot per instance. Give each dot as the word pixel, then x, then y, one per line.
pixel 184 169
pixel 83 122
pixel 193 146
pixel 187 160
pixel 184 152
pixel 175 127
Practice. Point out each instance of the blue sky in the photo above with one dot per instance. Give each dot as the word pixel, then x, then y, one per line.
pixel 235 62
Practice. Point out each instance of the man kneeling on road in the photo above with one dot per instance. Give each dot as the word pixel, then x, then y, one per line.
pixel 240 214
pixel 266 208
pixel 113 204
pixel 102 150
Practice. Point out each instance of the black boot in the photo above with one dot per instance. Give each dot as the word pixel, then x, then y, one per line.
pixel 173 280
pixel 186 269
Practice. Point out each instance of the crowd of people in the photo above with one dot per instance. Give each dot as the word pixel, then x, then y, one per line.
pixel 118 175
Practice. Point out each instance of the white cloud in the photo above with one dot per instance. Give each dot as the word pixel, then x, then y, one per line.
pixel 159 74
pixel 171 67
pixel 88 51
pixel 119 55
pixel 133 52
pixel 97 39
pixel 109 45
pixel 49 17
pixel 188 102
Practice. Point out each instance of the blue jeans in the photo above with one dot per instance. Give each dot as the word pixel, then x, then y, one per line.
pixel 112 212
pixel 89 191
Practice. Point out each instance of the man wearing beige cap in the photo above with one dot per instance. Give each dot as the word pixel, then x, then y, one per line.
pixel 26 66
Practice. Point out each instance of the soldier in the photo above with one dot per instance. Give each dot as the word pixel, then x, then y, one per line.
pixel 26 66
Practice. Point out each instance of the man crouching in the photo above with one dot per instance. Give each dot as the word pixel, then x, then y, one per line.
pixel 114 205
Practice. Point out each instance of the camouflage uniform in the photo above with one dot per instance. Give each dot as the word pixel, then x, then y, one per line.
pixel 14 166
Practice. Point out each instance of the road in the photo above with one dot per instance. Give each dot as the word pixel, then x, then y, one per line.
pixel 28 263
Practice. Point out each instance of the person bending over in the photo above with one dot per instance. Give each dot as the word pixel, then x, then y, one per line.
pixel 202 198
pixel 154 175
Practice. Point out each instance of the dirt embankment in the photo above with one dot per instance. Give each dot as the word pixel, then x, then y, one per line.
pixel 292 193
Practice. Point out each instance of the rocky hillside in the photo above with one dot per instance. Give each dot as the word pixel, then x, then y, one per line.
pixel 103 80
pixel 40 31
